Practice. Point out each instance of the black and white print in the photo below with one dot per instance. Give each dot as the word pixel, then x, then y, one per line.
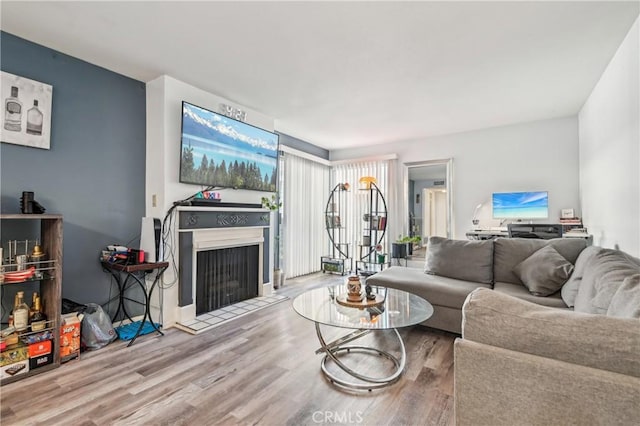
pixel 26 111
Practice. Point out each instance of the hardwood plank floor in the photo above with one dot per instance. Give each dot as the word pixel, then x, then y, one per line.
pixel 259 369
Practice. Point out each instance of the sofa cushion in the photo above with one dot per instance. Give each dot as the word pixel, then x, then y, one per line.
pixel 460 259
pixel 570 288
pixel 544 272
pixel 596 341
pixel 521 292
pixel 625 303
pixel 437 290
pixel 602 277
pixel 508 252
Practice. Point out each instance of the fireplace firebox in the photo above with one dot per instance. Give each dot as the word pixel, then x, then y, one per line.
pixel 226 276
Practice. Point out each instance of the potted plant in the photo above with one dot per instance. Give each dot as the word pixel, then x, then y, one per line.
pixel 410 242
pixel 399 249
pixel 273 203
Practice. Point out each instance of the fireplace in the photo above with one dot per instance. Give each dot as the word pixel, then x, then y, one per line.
pixel 226 276
pixel 223 258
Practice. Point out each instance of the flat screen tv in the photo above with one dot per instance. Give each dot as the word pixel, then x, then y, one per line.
pixel 520 205
pixel 222 152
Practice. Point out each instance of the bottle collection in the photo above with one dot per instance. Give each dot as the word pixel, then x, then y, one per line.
pixel 26 337
pixel 30 292
pixel 27 342
pixel 22 317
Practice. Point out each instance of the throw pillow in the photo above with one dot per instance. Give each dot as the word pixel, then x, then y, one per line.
pixel 606 271
pixel 570 288
pixel 508 252
pixel 544 272
pixel 460 259
pixel 625 303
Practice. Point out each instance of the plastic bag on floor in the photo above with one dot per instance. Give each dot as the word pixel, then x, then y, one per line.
pixel 97 329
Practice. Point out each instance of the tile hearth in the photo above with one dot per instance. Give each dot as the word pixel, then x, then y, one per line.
pixel 205 322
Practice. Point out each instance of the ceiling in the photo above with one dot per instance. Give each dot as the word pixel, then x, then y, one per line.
pixel 347 74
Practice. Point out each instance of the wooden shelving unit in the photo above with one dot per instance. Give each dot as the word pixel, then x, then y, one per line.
pixel 50 284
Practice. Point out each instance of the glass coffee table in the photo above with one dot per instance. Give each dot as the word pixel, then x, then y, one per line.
pixel 397 309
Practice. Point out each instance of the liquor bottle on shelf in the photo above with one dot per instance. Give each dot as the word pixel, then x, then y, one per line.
pixel 13 112
pixel 39 319
pixel 34 120
pixel 32 309
pixel 15 304
pixel 21 313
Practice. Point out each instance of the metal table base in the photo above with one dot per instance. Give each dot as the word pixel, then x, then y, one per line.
pixel 332 349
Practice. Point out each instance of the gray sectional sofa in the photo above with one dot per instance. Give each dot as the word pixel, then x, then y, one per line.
pixel 538 271
pixel 519 363
pixel 564 350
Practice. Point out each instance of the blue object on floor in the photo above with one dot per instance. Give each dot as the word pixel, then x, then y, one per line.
pixel 128 331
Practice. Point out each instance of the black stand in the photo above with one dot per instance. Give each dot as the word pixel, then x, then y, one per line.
pixel 128 275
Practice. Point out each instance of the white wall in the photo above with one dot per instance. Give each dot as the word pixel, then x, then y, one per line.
pixel 164 114
pixel 610 153
pixel 536 156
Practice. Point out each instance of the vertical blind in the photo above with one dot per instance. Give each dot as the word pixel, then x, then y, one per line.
pixel 305 188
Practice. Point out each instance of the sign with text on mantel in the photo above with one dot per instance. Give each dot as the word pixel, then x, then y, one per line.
pixel 232 112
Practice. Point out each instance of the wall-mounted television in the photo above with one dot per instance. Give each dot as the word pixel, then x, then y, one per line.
pixel 520 205
pixel 223 152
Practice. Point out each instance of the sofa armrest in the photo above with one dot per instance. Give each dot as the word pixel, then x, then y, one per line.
pixel 590 340
pixel 496 386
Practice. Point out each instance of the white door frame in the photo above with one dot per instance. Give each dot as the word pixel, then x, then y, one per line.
pixel 448 162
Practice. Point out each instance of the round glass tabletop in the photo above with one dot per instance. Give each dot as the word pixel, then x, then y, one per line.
pixel 399 309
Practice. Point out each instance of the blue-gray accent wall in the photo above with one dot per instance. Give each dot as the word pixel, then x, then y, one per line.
pixel 94 172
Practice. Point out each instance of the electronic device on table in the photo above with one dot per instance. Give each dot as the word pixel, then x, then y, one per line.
pixel 520 205
pixel 150 236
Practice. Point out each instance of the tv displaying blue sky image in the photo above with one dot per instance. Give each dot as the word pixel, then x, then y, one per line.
pixel 521 205
pixel 223 152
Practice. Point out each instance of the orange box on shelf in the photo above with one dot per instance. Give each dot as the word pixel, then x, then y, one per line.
pixel 69 337
pixel 40 348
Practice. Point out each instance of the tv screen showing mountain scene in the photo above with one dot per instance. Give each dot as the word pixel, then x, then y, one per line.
pixel 223 152
pixel 521 205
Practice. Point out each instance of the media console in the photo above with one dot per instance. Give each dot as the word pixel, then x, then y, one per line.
pixel 204 202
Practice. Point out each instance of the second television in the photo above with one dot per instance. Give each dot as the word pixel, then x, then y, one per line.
pixel 223 152
pixel 520 205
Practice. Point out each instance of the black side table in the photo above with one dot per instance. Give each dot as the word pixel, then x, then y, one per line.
pixel 128 275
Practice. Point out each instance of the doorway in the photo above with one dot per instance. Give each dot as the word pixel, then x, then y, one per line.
pixel 429 196
pixel 434 213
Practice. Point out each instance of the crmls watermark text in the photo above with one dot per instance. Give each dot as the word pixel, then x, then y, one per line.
pixel 337 417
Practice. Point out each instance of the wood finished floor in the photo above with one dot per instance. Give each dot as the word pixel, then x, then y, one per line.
pixel 257 370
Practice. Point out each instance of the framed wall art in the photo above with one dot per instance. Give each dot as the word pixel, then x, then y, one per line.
pixel 26 111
